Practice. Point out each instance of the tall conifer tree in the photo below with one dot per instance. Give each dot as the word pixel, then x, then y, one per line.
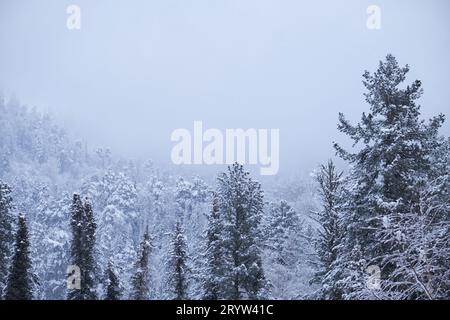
pixel 214 271
pixel 389 169
pixel 82 248
pixel 113 288
pixel 179 270
pixel 241 207
pixel 20 279
pixel 331 230
pixel 140 278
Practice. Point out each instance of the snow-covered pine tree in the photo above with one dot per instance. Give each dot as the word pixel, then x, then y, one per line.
pixel 387 171
pixel 114 197
pixel 192 198
pixel 6 233
pixel 113 288
pixel 140 278
pixel 19 285
pixel 424 235
pixel 178 265
pixel 422 261
pixel 213 283
pixel 241 205
pixel 82 248
pixel 183 197
pixel 153 198
pixel 50 242
pixel 330 231
pixel 189 194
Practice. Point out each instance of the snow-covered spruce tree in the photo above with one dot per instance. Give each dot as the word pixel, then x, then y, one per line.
pixel 6 233
pixel 82 248
pixel 241 205
pixel 284 242
pixel 283 223
pixel 113 288
pixel 140 278
pixel 20 278
pixel 89 274
pixel 387 172
pixel 330 231
pixel 214 273
pixel 178 265
pixel 76 246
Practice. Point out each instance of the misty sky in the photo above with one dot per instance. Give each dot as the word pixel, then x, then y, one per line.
pixel 137 70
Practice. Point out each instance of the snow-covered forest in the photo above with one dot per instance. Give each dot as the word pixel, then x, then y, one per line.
pixel 377 228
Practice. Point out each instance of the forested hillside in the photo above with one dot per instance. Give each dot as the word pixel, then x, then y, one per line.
pixel 375 229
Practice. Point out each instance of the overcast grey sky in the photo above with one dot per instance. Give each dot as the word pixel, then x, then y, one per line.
pixel 137 70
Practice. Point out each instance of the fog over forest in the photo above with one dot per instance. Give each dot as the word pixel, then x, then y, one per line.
pixel 224 150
